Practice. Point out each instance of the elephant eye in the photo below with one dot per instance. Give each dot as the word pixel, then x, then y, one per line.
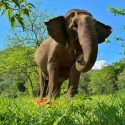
pixel 72 14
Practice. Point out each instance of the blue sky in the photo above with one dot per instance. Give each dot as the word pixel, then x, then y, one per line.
pixel 108 52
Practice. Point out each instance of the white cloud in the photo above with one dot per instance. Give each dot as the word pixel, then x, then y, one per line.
pixel 99 64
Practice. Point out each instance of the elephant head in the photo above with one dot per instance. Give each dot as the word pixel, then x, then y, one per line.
pixel 79 25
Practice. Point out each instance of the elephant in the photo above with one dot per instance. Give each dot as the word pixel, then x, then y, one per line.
pixel 70 49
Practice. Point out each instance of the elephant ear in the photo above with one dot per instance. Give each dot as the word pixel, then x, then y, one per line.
pixel 103 31
pixel 57 29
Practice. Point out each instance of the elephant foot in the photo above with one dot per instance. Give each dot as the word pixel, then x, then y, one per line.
pixel 71 94
pixel 48 101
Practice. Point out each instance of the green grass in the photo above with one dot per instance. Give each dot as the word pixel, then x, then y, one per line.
pixel 96 110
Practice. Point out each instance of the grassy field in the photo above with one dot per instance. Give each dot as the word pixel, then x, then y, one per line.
pixel 95 110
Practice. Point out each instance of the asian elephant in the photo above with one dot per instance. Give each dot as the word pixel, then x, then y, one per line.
pixel 71 49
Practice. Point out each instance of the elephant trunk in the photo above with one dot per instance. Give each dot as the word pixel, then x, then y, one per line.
pixel 88 41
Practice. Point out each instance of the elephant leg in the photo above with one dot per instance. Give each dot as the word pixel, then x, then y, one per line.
pixel 53 79
pixel 43 85
pixel 45 88
pixel 73 82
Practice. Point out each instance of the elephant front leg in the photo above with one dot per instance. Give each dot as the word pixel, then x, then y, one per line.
pixel 73 82
pixel 53 79
pixel 43 85
pixel 44 88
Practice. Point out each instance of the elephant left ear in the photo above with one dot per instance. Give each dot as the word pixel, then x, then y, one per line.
pixel 57 29
pixel 103 31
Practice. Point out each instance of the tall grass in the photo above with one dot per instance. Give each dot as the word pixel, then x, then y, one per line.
pixel 96 110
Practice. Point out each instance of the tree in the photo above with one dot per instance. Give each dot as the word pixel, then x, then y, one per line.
pixel 34 30
pixel 102 81
pixel 119 68
pixel 18 60
pixel 16 10
pixel 121 80
pixel 84 83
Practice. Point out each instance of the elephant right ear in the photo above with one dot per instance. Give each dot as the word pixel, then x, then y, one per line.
pixel 103 31
pixel 57 29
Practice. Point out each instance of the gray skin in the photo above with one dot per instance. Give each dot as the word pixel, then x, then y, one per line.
pixel 70 49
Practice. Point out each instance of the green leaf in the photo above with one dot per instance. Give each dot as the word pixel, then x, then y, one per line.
pixel 56 122
pixel 23 0
pixel 10 14
pixel 17 2
pixel 116 11
pixel 107 40
pixel 13 22
pixel 30 5
pixel 26 12
pixel 20 20
pixel 20 12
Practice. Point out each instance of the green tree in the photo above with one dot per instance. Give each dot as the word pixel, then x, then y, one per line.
pixel 121 80
pixel 20 82
pixel 102 81
pixel 119 66
pixel 120 72
pixel 18 60
pixel 84 83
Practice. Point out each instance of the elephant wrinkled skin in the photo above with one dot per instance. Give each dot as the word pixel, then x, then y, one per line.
pixel 70 49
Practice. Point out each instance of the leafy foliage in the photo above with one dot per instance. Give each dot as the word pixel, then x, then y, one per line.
pixel 109 79
pixel 116 11
pixel 16 9
pixel 84 84
pixel 34 30
pixel 121 80
pixel 18 61
pixel 15 60
pixel 119 12
pixel 102 81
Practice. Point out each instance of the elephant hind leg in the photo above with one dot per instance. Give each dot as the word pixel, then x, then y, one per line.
pixel 73 82
pixel 45 89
